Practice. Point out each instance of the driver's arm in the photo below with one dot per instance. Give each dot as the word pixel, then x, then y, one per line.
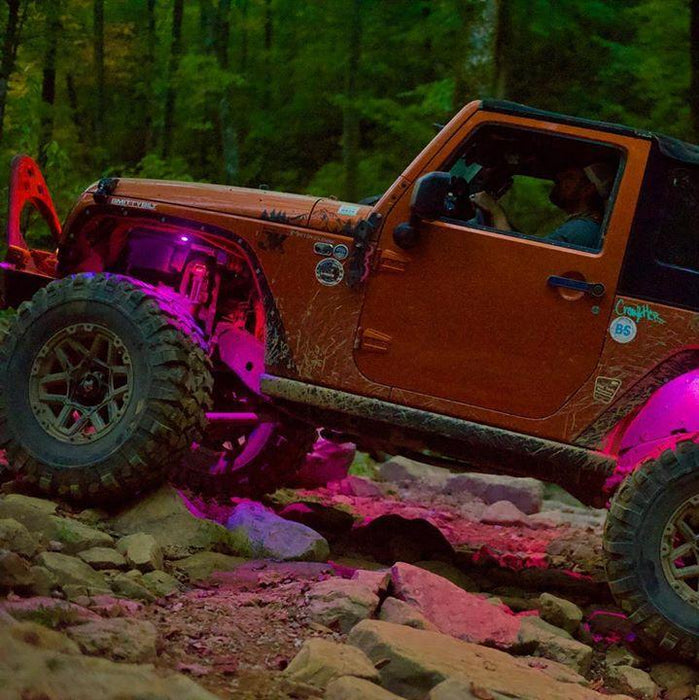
pixel 489 204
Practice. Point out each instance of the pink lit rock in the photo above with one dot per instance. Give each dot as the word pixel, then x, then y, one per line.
pixel 327 462
pixel 454 611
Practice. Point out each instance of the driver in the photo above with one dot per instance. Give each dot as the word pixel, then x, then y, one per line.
pixel 580 192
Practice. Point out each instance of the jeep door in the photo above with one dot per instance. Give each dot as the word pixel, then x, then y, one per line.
pixel 477 315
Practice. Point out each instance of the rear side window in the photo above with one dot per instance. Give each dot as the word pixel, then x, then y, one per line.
pixel 678 236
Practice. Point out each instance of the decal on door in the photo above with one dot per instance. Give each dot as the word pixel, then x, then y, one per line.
pixel 623 329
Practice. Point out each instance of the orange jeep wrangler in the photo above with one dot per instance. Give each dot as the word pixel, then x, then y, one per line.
pixel 524 299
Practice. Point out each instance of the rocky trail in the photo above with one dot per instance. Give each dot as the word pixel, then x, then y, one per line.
pixel 395 580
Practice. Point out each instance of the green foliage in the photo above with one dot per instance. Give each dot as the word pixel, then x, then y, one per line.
pixel 270 96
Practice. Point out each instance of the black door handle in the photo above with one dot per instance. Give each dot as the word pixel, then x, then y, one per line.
pixel 594 289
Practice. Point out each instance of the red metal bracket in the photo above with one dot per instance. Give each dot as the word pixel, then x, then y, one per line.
pixel 27 186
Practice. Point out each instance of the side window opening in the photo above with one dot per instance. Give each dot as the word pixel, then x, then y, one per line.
pixel 677 243
pixel 537 185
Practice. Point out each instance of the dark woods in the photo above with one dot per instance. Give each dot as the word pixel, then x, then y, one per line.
pixel 321 96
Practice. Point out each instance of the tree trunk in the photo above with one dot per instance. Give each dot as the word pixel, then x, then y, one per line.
pixel 229 134
pixel 175 52
pixel 9 51
pixel 503 33
pixel 267 58
pixel 98 57
pixel 350 117
pixel 151 41
pixel 694 58
pixel 48 83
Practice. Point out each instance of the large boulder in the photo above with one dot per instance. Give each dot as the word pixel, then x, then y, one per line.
pixel 260 533
pixel 70 571
pixel 29 671
pixel 527 494
pixel 141 551
pixel 412 662
pixel 119 638
pixel 453 610
pixel 164 515
pixel 341 603
pixel 201 565
pixel 320 661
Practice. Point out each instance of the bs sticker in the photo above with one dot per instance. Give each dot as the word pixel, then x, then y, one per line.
pixel 348 210
pixel 623 329
pixel 329 272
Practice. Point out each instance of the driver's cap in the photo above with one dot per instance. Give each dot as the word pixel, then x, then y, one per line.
pixel 601 175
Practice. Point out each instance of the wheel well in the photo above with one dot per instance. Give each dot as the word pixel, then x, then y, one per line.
pixel 669 415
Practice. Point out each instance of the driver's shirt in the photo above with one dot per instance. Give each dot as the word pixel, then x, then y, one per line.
pixel 579 230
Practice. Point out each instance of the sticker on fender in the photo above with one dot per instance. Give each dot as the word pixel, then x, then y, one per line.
pixel 623 329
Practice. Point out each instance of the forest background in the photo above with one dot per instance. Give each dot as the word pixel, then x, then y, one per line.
pixel 326 97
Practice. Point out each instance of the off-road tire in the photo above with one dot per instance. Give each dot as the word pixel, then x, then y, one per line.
pixel 273 467
pixel 640 511
pixel 165 413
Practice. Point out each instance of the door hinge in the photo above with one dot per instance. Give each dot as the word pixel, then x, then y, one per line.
pixel 373 341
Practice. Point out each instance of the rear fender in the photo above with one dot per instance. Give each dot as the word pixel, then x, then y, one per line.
pixel 671 414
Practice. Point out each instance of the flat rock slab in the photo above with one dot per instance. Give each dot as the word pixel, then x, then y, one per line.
pixel 536 636
pixel 201 565
pixel 103 558
pixel 415 661
pixel 454 611
pixel 71 571
pixel 255 571
pixel 44 608
pixel 120 639
pixel 320 661
pixel 29 671
pixel 527 494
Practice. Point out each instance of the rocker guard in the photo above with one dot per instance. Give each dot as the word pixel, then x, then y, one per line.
pixel 478 447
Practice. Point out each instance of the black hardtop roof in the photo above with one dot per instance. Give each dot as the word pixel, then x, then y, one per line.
pixel 669 146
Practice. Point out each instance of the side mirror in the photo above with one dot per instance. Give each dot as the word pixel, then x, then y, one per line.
pixel 430 195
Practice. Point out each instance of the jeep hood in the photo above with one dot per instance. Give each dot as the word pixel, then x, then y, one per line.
pixel 293 209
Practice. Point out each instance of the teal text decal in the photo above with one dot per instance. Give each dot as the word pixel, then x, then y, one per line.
pixel 639 312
